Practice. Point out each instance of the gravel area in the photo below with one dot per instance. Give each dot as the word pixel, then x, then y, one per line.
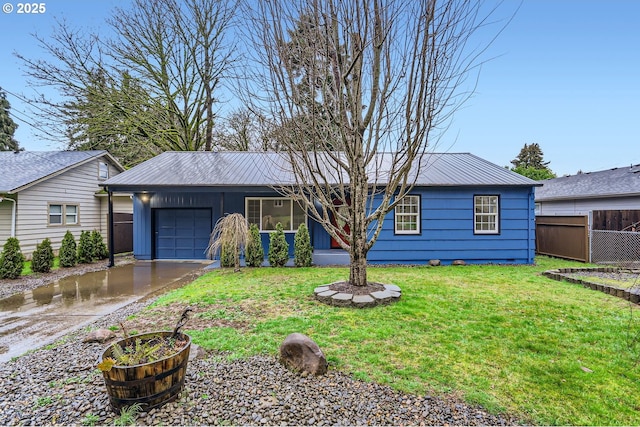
pixel 61 385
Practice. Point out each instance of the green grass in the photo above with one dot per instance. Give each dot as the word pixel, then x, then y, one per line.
pixel 504 337
pixel 26 270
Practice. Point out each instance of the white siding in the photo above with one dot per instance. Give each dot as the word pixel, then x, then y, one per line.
pixel 5 221
pixel 76 186
pixel 586 206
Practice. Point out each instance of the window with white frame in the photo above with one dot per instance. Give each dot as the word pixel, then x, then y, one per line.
pixel 103 170
pixel 407 215
pixel 268 211
pixel 486 214
pixel 63 214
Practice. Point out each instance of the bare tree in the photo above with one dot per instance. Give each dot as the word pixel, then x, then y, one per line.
pixel 156 78
pixel 384 78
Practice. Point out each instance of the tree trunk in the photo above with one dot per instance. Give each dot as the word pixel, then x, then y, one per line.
pixel 358 268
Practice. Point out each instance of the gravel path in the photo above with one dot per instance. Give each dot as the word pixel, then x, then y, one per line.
pixel 62 386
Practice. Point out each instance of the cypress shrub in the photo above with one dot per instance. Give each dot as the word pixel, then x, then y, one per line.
pixel 254 252
pixel 42 258
pixel 278 248
pixel 227 256
pixel 100 250
pixel 302 250
pixel 11 259
pixel 85 248
pixel 68 252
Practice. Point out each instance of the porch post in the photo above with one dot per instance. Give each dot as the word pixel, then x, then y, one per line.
pixel 111 228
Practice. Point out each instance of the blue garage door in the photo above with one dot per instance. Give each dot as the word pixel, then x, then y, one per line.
pixel 182 233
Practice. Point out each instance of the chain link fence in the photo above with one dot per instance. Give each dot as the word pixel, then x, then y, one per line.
pixel 620 248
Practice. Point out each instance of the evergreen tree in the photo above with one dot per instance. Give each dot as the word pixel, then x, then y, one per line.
pixel 100 250
pixel 254 252
pixel 278 248
pixel 302 250
pixel 42 257
pixel 7 126
pixel 530 163
pixel 68 251
pixel 85 248
pixel 11 260
pixel 227 255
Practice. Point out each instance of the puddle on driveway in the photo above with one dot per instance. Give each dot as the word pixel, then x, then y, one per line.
pixel 34 318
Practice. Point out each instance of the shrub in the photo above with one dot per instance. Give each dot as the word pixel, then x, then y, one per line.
pixel 100 250
pixel 227 256
pixel 42 258
pixel 11 260
pixel 278 248
pixel 68 253
pixel 85 248
pixel 302 250
pixel 254 252
pixel 231 230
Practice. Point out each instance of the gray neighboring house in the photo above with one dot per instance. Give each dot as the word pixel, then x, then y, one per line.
pixel 581 194
pixel 45 193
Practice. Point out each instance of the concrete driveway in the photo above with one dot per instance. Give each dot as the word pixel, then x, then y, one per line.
pixel 31 319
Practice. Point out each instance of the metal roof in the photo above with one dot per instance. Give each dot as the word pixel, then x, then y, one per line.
pixel 21 169
pixel 624 181
pixel 205 169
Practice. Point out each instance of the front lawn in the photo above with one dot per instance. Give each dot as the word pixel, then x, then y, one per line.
pixel 504 337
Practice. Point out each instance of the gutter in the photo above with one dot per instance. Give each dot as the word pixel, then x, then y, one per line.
pixel 13 215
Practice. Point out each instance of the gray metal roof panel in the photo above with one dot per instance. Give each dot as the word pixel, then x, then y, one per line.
pixel 25 167
pixel 624 181
pixel 196 169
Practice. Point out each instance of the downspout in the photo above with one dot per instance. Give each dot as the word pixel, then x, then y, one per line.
pixel 111 228
pixel 13 215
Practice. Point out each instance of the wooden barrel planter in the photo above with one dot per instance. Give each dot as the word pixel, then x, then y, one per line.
pixel 150 384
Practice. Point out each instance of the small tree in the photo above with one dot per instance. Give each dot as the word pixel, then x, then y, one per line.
pixel 302 250
pixel 231 231
pixel 11 260
pixel 85 248
pixel 278 248
pixel 100 250
pixel 68 251
pixel 228 254
pixel 254 252
pixel 42 257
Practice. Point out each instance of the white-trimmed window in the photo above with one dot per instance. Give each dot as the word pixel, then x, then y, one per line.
pixel 103 170
pixel 63 214
pixel 486 214
pixel 407 215
pixel 266 212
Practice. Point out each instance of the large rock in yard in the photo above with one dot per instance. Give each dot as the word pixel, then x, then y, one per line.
pixel 300 353
pixel 99 335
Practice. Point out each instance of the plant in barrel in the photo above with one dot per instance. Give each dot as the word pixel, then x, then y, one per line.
pixel 146 369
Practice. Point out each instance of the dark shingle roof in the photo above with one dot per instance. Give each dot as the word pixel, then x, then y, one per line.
pixel 18 170
pixel 204 169
pixel 616 182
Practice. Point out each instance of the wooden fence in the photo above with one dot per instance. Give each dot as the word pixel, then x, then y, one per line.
pixel 563 236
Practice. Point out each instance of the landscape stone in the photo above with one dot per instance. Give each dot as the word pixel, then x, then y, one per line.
pixel 434 262
pixel 321 289
pixel 325 296
pixel 100 335
pixel 363 301
pixel 382 296
pixel 458 262
pixel 341 299
pixel 300 353
pixel 393 288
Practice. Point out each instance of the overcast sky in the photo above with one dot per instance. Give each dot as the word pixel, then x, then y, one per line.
pixel 564 74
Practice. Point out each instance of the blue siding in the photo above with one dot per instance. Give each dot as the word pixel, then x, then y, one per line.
pixel 446 225
pixel 447 230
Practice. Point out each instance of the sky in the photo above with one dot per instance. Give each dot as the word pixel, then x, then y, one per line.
pixel 564 74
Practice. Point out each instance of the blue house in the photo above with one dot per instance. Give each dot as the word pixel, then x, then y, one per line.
pixel 461 208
